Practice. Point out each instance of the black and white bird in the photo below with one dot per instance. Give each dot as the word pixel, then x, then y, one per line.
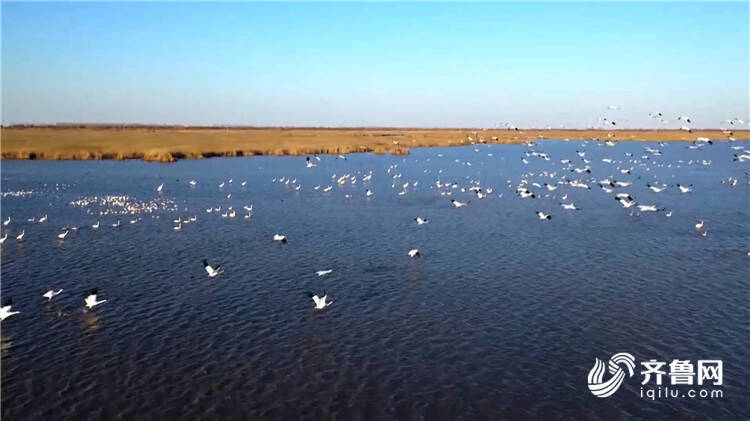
pixel 320 302
pixel 421 221
pixel 542 215
pixel 280 238
pixel 656 189
pixel 50 294
pixel 62 235
pixel 569 206
pixel 413 253
pixel 457 204
pixel 91 301
pixel 5 309
pixel 324 272
pixel 212 270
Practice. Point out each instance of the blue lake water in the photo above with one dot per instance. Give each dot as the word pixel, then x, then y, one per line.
pixel 501 317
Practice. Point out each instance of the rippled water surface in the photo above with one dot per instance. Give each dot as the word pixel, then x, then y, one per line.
pixel 501 317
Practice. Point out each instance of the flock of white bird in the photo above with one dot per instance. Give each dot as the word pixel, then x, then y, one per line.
pixel 569 174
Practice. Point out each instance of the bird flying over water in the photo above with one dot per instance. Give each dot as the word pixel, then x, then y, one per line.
pixel 5 309
pixel 320 302
pixel 50 294
pixel 280 238
pixel 542 215
pixel 91 301
pixel 212 270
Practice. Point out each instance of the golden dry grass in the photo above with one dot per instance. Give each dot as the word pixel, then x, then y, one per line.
pixel 167 144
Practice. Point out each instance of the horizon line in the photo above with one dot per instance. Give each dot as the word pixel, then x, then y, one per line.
pixel 82 125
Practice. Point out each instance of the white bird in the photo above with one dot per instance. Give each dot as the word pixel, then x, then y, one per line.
pixel 50 294
pixel 5 310
pixel 6 222
pixel 421 220
pixel 62 235
pixel 323 272
pixel 193 183
pixel 212 270
pixel 569 206
pixel 369 193
pixel 656 189
pixel 457 204
pixel 91 301
pixel 178 227
pixel 95 226
pixel 668 214
pixel 43 219
pixel 116 224
pixel 19 237
pixel 320 302
pixel 685 189
pixel 542 215
pixel 647 208
pixel 158 189
pixel 699 225
pixel 413 253
pixel 625 202
pixel 280 238
pixel 550 187
pixel 5 237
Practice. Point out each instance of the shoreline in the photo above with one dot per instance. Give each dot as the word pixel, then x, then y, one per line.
pixel 171 143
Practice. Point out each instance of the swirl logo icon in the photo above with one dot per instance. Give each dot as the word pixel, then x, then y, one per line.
pixel 617 366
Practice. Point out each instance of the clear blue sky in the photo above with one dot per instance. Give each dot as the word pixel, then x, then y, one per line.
pixel 386 64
